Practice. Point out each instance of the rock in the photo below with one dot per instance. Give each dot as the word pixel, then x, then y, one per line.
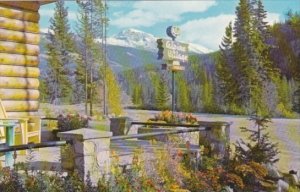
pixel 282 186
pixel 227 189
pixel 272 171
pixel 295 179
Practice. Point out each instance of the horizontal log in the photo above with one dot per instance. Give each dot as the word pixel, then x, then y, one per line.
pixel 19 48
pixel 9 12
pixel 19 83
pixel 20 106
pixel 17 25
pixel 19 71
pixel 14 59
pixel 19 37
pixel 23 5
pixel 19 94
pixel 22 114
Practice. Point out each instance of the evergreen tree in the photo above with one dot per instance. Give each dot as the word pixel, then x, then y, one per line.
pixel 226 70
pixel 84 62
pixel 208 94
pixel 182 94
pixel 247 75
pixel 44 93
pixel 59 51
pixel 193 73
pixel 259 148
pixel 268 72
pixel 162 94
pixel 90 27
pixel 244 67
pixel 137 95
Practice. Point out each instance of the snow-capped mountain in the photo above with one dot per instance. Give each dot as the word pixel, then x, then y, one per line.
pixel 135 39
pixel 194 48
pixel 130 48
pixel 141 40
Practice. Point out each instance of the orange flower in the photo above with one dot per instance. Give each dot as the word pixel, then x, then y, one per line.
pixel 188 144
pixel 179 153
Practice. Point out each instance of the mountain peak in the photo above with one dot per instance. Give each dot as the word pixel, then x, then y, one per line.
pixel 131 31
pixel 141 40
pixel 134 38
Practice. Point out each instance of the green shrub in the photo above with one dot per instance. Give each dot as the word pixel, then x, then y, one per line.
pixel 71 122
pixel 282 111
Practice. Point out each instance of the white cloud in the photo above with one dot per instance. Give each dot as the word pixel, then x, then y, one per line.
pixel 49 13
pixel 207 32
pixel 72 15
pixel 46 12
pixel 210 31
pixel 273 18
pixel 174 7
pixel 149 13
pixel 46 30
pixel 135 18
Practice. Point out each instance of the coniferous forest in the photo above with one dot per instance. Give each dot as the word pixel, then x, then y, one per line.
pixel 76 67
pixel 256 70
pixel 102 106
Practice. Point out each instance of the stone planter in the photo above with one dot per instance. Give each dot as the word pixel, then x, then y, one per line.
pixel 88 153
pixel 49 135
pixel 54 135
pixel 120 125
pixel 181 137
pixel 217 138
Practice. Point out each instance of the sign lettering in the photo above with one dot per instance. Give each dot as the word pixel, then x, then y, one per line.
pixel 171 50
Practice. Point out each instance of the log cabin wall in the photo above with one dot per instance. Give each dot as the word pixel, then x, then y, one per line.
pixel 19 61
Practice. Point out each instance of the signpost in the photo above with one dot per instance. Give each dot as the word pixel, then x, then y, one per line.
pixel 172 53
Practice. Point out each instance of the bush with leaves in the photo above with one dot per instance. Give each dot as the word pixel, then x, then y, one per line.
pixel 169 117
pixel 71 122
pixel 251 155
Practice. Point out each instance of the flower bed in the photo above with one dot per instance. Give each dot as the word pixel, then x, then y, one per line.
pixel 72 121
pixel 168 117
pixel 175 118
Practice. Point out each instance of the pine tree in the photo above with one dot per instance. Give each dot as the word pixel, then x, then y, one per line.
pixel 59 51
pixel 182 94
pixel 162 94
pixel 90 24
pixel 208 94
pixel 137 95
pixel 253 68
pixel 194 75
pixel 226 69
pixel 259 148
pixel 268 72
pixel 84 50
pixel 242 46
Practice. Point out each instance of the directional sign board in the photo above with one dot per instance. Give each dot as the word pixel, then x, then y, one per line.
pixel 174 45
pixel 171 50
pixel 169 54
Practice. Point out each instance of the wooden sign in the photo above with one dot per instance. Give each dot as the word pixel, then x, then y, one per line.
pixel 176 68
pixel 171 50
pixel 173 45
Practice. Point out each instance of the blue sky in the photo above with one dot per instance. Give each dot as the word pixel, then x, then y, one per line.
pixel 201 21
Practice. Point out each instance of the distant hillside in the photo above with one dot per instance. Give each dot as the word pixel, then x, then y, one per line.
pixel 131 48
